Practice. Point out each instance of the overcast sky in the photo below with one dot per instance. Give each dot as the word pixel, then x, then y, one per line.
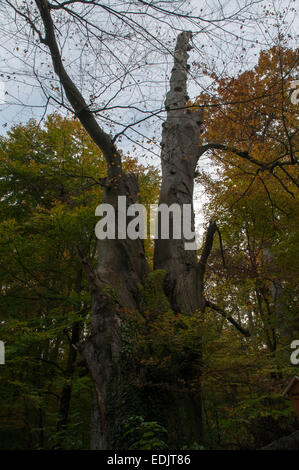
pixel 215 45
pixel 227 47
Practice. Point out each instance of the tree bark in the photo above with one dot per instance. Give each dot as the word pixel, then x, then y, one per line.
pixel 179 156
pixel 122 267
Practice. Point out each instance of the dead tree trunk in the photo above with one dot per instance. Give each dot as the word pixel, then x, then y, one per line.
pixel 179 156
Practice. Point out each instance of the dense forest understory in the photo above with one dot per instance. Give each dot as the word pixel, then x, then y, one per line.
pixel 132 344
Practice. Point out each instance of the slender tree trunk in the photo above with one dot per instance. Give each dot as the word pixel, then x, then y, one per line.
pixel 66 394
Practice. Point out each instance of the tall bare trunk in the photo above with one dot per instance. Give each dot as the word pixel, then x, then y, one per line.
pixel 179 157
pixel 180 150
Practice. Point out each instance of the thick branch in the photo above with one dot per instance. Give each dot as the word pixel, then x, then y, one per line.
pixel 221 246
pixel 227 148
pixel 228 318
pixel 246 156
pixel 101 138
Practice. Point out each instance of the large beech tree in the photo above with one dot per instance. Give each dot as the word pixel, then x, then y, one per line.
pixel 122 265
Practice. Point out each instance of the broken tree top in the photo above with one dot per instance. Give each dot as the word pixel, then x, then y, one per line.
pixel 176 98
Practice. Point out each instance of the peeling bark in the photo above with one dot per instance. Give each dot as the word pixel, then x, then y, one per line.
pixel 179 156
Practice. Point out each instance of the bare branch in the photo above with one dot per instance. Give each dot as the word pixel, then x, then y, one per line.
pixel 228 318
pixel 75 98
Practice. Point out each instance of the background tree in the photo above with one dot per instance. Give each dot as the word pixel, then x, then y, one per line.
pixel 252 276
pixel 263 202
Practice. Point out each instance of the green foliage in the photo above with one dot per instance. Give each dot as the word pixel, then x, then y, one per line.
pixel 257 214
pixel 48 194
pixel 193 446
pixel 143 435
pixel 153 298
